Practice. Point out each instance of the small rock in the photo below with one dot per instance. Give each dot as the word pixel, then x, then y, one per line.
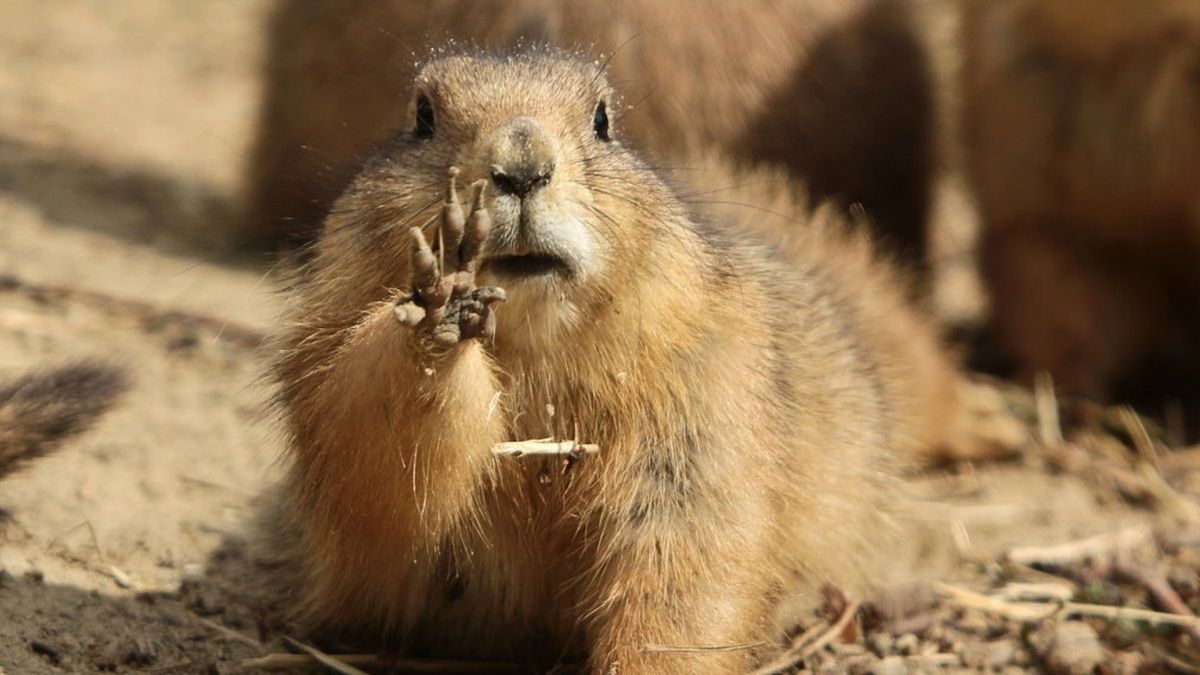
pixel 999 654
pixel 843 649
pixel 930 663
pixel 123 651
pixel 1074 649
pixel 1183 579
pixel 908 644
pixel 973 654
pixel 975 623
pixel 892 665
pixel 882 644
pixel 47 650
pixel 858 665
pixel 132 651
pixel 206 603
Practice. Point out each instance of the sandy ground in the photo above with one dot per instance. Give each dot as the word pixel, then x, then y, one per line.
pixel 123 129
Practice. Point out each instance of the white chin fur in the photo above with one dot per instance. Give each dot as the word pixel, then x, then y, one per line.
pixel 540 309
pixel 543 225
pixel 536 315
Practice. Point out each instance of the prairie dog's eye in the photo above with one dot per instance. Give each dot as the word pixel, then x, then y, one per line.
pixel 600 121
pixel 424 128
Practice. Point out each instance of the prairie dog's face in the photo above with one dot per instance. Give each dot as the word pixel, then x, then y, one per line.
pixel 565 198
pixel 537 131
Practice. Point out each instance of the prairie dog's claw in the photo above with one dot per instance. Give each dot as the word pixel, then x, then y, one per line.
pixel 453 221
pixel 479 225
pixel 445 303
pixel 490 294
pixel 427 286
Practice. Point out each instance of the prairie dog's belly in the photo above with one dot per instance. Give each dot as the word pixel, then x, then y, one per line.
pixel 498 596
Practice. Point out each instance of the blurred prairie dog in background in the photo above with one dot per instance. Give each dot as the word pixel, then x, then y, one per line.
pixel 839 92
pixel 752 395
pixel 1082 132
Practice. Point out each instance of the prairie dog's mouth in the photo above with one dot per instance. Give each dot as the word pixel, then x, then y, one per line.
pixel 527 265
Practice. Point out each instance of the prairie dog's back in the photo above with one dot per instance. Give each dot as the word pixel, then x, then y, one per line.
pixel 876 294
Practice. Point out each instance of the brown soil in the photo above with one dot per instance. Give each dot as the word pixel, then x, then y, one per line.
pixel 122 131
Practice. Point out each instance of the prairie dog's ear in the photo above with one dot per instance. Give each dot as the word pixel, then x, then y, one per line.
pixel 41 409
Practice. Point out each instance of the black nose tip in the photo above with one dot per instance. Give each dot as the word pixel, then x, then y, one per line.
pixel 521 181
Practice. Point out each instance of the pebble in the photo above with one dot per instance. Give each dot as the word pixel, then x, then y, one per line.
pixel 882 644
pixel 858 665
pixel 47 650
pixel 892 665
pixel 1074 649
pixel 999 653
pixel 908 644
pixel 192 572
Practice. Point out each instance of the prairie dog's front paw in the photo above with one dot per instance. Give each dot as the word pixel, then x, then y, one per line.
pixel 446 306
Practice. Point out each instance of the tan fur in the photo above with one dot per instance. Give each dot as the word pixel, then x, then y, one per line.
pixel 1082 123
pixel 750 400
pixel 42 408
pixel 836 91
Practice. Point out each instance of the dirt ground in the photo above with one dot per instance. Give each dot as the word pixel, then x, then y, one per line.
pixel 123 130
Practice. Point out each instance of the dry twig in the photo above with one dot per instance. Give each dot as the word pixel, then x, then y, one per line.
pixel 543 446
pixel 231 633
pixel 283 661
pixel 702 650
pixel 802 650
pixel 1046 404
pixel 1024 592
pixel 1158 587
pixel 1141 437
pixel 1028 612
pixel 331 662
pixel 286 661
pixel 1101 545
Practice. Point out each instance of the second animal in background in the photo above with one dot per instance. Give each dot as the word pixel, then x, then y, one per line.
pixel 1082 122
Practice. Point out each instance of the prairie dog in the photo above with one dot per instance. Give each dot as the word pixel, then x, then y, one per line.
pixel 1082 122
pixel 42 408
pixel 750 401
pixel 839 92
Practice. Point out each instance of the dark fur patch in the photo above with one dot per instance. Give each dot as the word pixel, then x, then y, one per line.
pixel 670 470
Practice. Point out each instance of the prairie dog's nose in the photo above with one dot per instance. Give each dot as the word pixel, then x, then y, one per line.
pixel 522 156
